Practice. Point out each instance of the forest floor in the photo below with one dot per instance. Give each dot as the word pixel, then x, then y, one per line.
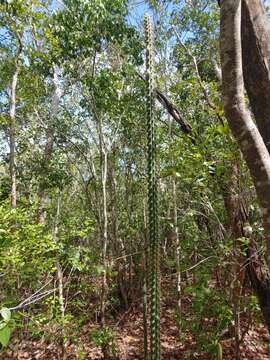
pixel 128 329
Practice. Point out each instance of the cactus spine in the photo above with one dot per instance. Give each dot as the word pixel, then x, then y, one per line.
pixel 152 198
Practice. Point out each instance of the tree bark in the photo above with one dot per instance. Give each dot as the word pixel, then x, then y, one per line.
pixel 103 153
pixel 104 236
pixel 177 252
pixel 60 280
pixel 256 63
pixel 239 118
pixel 12 138
pixel 12 130
pixel 48 151
pixel 246 133
pixel 237 219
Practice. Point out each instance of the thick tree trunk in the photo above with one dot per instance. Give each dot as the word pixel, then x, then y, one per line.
pixel 260 280
pixel 245 131
pixel 256 62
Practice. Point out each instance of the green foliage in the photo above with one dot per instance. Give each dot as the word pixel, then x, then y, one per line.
pixel 104 338
pixel 211 315
pixel 26 248
pixel 84 26
pixel 5 326
pixel 98 47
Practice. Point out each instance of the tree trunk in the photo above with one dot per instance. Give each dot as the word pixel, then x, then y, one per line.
pixel 60 280
pixel 256 63
pixel 12 136
pixel 104 238
pixel 245 131
pixel 237 218
pixel 48 151
pixel 178 250
pixel 103 153
pixel 12 129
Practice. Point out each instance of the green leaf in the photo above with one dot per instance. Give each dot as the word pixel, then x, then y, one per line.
pixel 5 335
pixel 100 270
pixel 2 325
pixel 6 314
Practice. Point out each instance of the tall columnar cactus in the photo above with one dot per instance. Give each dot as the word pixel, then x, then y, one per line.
pixel 153 263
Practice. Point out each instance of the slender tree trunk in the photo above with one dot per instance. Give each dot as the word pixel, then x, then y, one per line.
pixel 62 308
pixel 104 230
pixel 104 239
pixel 178 249
pixel 48 151
pixel 237 218
pixel 60 280
pixel 114 212
pixel 12 132
pixel 117 243
pixel 237 263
